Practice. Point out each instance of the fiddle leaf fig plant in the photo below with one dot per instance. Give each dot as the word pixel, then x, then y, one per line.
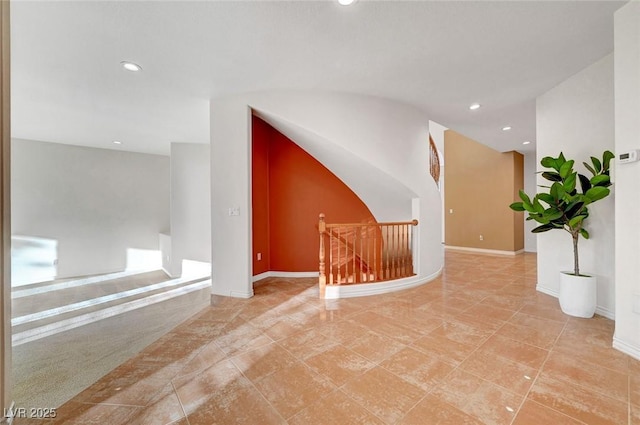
pixel 564 206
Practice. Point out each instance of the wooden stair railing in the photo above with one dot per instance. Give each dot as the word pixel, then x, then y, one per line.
pixel 365 252
pixel 434 161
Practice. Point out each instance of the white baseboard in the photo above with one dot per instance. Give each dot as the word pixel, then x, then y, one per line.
pixel 333 292
pixel 602 311
pixel 283 274
pixel 238 294
pixel 482 251
pixel 260 276
pixel 605 312
pixel 629 349
pixel 547 291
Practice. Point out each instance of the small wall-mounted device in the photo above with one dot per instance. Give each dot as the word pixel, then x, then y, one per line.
pixel 630 156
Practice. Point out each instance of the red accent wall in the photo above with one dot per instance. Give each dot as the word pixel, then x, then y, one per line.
pixel 290 189
pixel 261 132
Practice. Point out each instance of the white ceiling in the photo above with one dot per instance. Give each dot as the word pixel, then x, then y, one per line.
pixel 68 86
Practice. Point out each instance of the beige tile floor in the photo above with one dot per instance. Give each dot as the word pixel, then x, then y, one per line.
pixel 477 346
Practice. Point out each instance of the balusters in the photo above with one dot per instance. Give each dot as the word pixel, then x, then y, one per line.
pixel 339 262
pixel 353 253
pixel 367 252
pixel 321 229
pixel 386 274
pixel 331 245
pixel 376 244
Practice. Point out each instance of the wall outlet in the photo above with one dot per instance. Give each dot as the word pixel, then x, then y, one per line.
pixel 259 256
pixel 481 237
pixel 450 210
pixel 234 211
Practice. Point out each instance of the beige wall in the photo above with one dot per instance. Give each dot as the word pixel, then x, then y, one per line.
pixel 481 183
pixel 5 210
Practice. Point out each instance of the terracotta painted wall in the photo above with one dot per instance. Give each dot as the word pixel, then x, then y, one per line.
pixel 481 183
pixel 261 133
pixel 290 190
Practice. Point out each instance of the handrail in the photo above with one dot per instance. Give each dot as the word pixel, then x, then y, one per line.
pixel 434 161
pixel 388 223
pixel 364 252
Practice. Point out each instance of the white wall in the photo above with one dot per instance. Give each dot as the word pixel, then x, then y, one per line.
pixel 96 203
pixel 627 178
pixel 531 165
pixel 230 182
pixel 190 204
pixel 577 117
pixel 391 138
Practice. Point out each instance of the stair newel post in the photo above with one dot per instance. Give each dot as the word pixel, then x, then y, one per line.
pixel 322 279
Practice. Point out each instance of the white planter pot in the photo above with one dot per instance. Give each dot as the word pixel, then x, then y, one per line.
pixel 578 295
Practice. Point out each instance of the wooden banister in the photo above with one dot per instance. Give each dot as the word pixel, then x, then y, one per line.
pixel 389 223
pixel 364 252
pixel 322 276
pixel 434 161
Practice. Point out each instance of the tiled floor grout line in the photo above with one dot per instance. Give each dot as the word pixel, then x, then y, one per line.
pixel 184 411
pixel 538 376
pixel 358 403
pixel 456 367
pixel 629 399
pixel 340 387
pixel 260 392
pixel 535 305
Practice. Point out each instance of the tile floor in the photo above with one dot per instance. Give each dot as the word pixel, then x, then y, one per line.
pixel 477 346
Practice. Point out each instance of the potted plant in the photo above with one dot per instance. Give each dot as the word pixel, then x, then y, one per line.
pixel 565 207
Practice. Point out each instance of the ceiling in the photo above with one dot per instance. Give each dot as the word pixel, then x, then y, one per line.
pixel 68 85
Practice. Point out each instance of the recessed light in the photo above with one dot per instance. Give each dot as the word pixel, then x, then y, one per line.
pixel 506 128
pixel 474 106
pixel 526 142
pixel 130 66
pixel 346 2
pixel 117 142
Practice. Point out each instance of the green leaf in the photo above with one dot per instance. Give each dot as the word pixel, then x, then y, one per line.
pixel 525 198
pixel 517 206
pixel 570 182
pixel 585 183
pixel 538 206
pixel 588 167
pixel 584 233
pixel 575 221
pixel 597 165
pixel 600 180
pixel 607 156
pixel 553 192
pixel 596 193
pixel 548 162
pixel 561 159
pixel 574 208
pixel 553 215
pixel 543 228
pixel 545 197
pixel 537 217
pixel 551 176
pixel 559 190
pixel 565 169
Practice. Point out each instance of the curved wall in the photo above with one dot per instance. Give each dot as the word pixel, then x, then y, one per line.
pixel 290 190
pixel 381 135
